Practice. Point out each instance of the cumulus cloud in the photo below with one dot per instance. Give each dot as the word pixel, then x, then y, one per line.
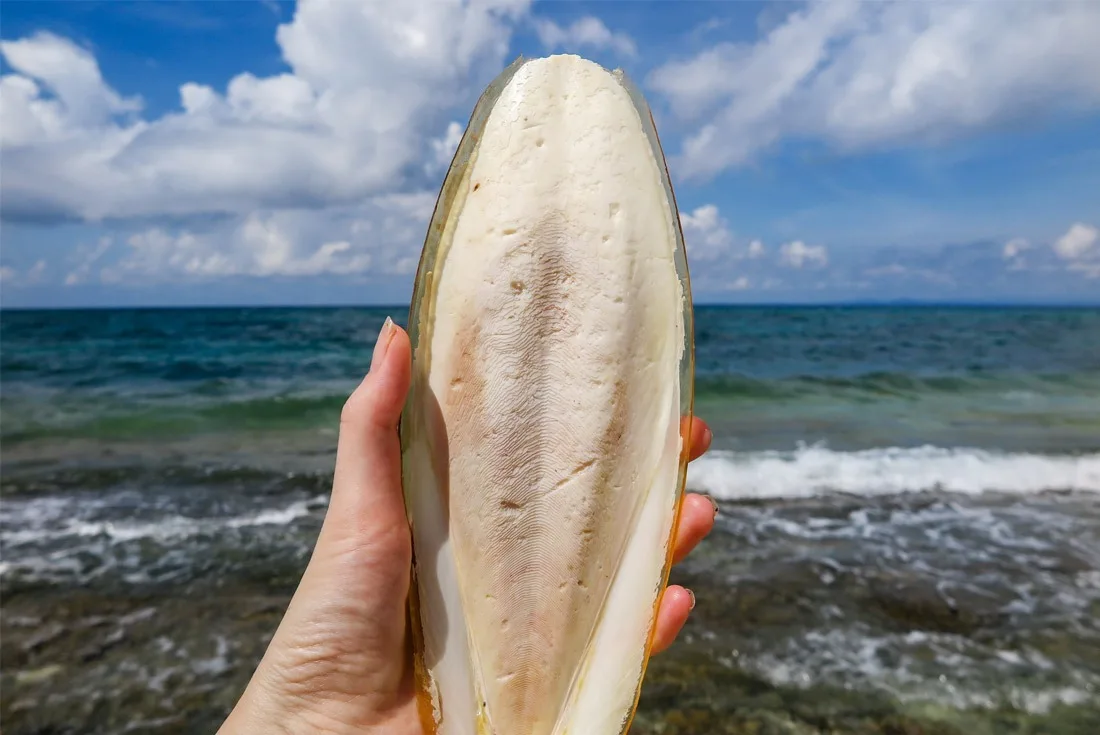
pixel 859 74
pixel 727 263
pixel 1079 242
pixel 443 148
pixel 706 234
pixel 325 170
pixel 708 237
pixel 730 264
pixel 380 236
pixel 1076 251
pixel 797 254
pixel 1052 268
pixel 56 93
pixel 584 32
pixel 369 84
pixel 260 248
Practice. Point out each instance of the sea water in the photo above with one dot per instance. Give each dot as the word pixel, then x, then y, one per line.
pixel 909 526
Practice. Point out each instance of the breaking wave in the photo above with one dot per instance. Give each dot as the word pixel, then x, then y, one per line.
pixel 816 470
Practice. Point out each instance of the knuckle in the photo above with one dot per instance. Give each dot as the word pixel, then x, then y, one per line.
pixel 356 407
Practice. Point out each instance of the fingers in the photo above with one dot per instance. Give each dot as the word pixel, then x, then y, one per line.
pixel 676 605
pixel 697 514
pixel 701 437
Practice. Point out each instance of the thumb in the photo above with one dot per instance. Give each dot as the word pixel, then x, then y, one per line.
pixel 367 506
pixel 340 648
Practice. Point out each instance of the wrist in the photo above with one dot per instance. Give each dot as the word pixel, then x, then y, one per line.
pixel 266 708
pixel 259 711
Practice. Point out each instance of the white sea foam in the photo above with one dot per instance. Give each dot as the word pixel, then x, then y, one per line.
pixel 919 667
pixel 922 667
pixel 43 519
pixel 816 470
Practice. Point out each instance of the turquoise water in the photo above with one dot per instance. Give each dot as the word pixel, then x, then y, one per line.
pixel 909 496
pixel 1013 379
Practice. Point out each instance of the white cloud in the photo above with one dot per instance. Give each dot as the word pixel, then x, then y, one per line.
pixel 35 274
pixel 584 32
pixel 379 236
pixel 259 247
pixel 86 258
pixel 1088 270
pixel 860 74
pixel 443 149
pixel 368 85
pixel 796 254
pixel 1079 242
pixel 1014 247
pixel 708 237
pixel 706 234
pixel 79 99
pixel 1077 250
pixel 321 170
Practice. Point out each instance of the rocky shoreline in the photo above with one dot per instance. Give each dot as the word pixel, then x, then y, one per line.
pixel 174 661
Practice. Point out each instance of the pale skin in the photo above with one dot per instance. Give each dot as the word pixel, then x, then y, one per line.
pixel 340 661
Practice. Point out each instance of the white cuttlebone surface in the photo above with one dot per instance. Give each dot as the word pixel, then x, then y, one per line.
pixel 554 376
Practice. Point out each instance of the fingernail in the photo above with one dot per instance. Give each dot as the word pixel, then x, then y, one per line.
pixel 714 503
pixel 692 596
pixel 382 344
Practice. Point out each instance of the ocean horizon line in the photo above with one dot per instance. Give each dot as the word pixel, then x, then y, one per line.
pixel 893 303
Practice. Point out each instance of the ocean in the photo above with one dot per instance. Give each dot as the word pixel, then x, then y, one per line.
pixel 908 542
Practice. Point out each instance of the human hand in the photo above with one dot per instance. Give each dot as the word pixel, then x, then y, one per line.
pixel 340 661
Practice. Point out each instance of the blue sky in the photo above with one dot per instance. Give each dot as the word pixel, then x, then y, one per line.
pixel 169 153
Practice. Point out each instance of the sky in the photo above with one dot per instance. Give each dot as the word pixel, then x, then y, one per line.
pixel 232 153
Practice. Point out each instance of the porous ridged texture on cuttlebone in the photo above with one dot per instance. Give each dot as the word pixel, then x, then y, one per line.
pixel 543 459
